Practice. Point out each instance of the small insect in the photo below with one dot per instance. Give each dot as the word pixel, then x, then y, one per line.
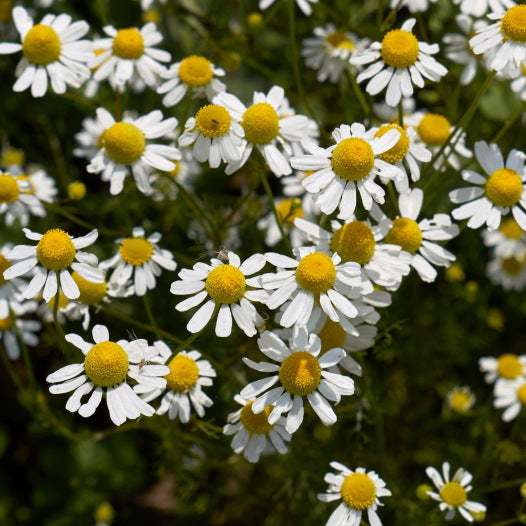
pixel 133 336
pixel 215 122
pixel 222 255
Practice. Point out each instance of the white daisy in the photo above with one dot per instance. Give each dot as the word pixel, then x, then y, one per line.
pixel 55 252
pixel 304 5
pixel 414 6
pixel 227 290
pixel 185 381
pixel 51 49
pixel 460 399
pixel 512 397
pixel 501 191
pixel 351 164
pixel 300 373
pixel 125 144
pixel 268 123
pixel 128 53
pixel 195 73
pixel 41 185
pixel 506 368
pixel 398 62
pixel 9 288
pixel 359 490
pixel 509 273
pixel 478 8
pixel 141 257
pixel 253 435
pixel 452 494
pixel 107 366
pixel 509 240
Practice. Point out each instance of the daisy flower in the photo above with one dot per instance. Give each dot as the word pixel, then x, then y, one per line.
pixel 414 6
pixel 106 368
pixel 496 194
pixel 193 73
pixel 460 399
pixel 253 435
pixel 512 397
pixel 349 166
pixel 506 368
pixel 304 5
pixel 300 373
pixel 268 123
pixel 397 62
pixel 9 288
pixel 141 257
pixel 55 252
pixel 509 240
pixel 227 291
pixel 124 144
pixel 128 53
pixel 478 8
pixel 359 490
pixel 509 273
pixel 452 495
pixel 41 185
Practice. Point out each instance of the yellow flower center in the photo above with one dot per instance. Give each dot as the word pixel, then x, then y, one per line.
pixel 521 394
pixel 453 494
pixel 509 366
pixel 399 48
pixel 5 323
pixel 316 273
pixel 512 266
pixel 76 190
pixel 226 284
pixel 90 293
pixel 124 142
pixel 358 491
pixel 213 121
pixel 513 24
pixel 261 123
pixel 256 424
pixel 400 149
pixel 300 373
pixel 288 210
pixel 331 335
pixel 136 250
pixel 340 40
pixel 354 241
pixel 460 401
pixel 504 187
pixel 406 233
pixel 177 168
pixel 510 228
pixel 55 250
pixel 41 45
pixel 183 373
pixel 12 156
pixel 128 43
pixel 106 364
pixel 352 159
pixel 4 265
pixel 434 129
pixel 62 301
pixel 9 190
pixel 195 71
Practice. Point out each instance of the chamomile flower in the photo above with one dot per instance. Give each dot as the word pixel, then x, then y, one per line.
pixel 16 200
pixel 509 273
pixel 129 53
pixel 41 185
pixel 189 373
pixel 501 191
pixel 193 73
pixel 509 240
pixel 227 291
pixel 304 5
pixel 397 62
pixel 106 368
pixel 125 144
pixel 460 399
pixel 348 167
pixel 506 368
pixel 253 435
pixel 478 8
pixel 268 123
pixel 512 397
pixel 9 288
pixel 359 490
pixel 141 257
pixel 55 252
pixel 414 6
pixel 301 373
pixel 52 50
pixel 452 494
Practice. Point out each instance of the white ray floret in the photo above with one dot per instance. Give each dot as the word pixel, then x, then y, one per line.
pixel 511 397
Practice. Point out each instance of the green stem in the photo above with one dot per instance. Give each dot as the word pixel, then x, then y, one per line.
pixel 149 313
pixel 358 93
pixel 401 113
pixel 9 367
pixel 503 485
pixel 102 11
pixel 510 122
pixel 506 522
pixel 26 357
pixel 58 327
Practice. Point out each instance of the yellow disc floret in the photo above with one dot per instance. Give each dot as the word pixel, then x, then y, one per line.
pixel 256 424
pixel 316 273
pixel 354 241
pixel 510 228
pixel 41 45
pixel 183 373
pixel 12 156
pixel 358 491
pixel 521 394
pixel 300 373
pixel 106 364
pixel 55 250
pixel 331 335
pixel 288 210
pixel 90 293
pixel 434 129
pixel 9 190
pixel 261 123
pixel 513 24
pixel 76 190
pixel 399 48
pixel 136 250
pixel 512 266
pixel 128 43
pixel 400 149
pixel 406 233
pixel 352 159
pixel 4 265
pixel 504 187
pixel 213 121
pixel 340 40
pixel 460 400
pixel 124 142
pixel 5 324
pixel 509 366
pixel 453 494
pixel 226 284
pixel 195 71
